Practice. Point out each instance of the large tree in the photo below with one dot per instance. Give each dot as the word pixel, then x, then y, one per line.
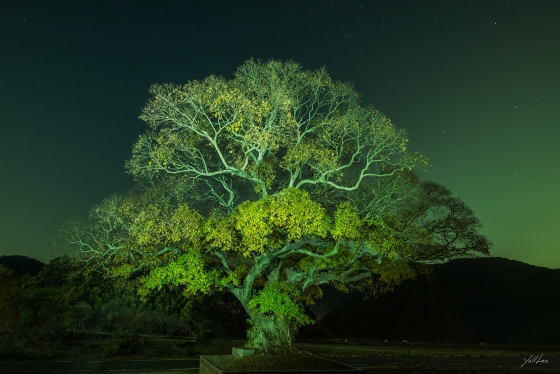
pixel 266 186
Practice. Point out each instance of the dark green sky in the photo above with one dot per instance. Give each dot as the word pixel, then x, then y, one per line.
pixel 476 83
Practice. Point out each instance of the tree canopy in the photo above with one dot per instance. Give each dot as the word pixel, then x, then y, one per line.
pixel 268 185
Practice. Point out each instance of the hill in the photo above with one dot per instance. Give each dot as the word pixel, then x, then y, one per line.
pixel 491 300
pixel 21 265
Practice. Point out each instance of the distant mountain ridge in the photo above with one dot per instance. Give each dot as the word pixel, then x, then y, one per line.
pixel 22 265
pixel 492 300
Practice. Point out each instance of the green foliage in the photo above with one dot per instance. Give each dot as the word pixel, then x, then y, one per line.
pixel 278 298
pixel 311 293
pixel 387 275
pixel 125 270
pixel 272 221
pixel 187 270
pixel 220 233
pixel 332 198
pixel 9 286
pixel 158 224
pixel 386 241
pixel 36 310
pixel 237 275
pixel 78 315
pixel 347 223
pixel 342 258
pixel 111 348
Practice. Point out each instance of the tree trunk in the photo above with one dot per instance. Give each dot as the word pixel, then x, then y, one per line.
pixel 269 334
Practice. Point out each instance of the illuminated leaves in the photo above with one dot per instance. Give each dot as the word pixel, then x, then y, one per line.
pixel 313 153
pixel 305 263
pixel 390 274
pixel 278 297
pixel 219 233
pixel 291 212
pixel 273 125
pixel 347 223
pixel 252 222
pixel 383 239
pixel 237 275
pixel 158 225
pixel 188 270
pixel 343 257
pixel 152 227
pixel 123 270
pixel 265 171
pixel 186 225
pixel 312 293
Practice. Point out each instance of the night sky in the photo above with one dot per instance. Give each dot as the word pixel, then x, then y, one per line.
pixel 476 84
